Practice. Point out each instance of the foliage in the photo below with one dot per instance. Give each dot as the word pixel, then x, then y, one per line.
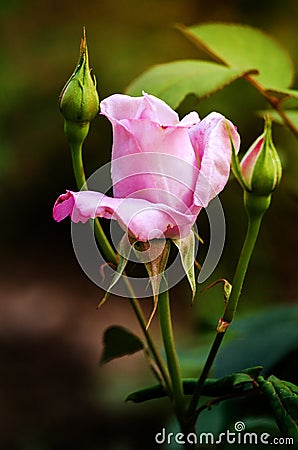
pixel 239 52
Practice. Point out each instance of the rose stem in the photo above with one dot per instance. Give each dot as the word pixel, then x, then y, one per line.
pixel 164 312
pixel 254 223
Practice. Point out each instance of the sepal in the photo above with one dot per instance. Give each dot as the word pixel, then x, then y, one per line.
pixel 124 250
pixel 186 247
pixel 154 254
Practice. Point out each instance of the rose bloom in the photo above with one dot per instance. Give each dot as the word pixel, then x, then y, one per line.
pixel 163 170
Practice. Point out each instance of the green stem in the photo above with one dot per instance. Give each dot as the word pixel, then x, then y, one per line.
pixel 253 229
pixel 165 320
pixel 255 207
pixel 143 324
pixel 79 172
pixel 201 381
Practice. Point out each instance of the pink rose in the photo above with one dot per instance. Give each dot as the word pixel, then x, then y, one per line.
pixel 163 170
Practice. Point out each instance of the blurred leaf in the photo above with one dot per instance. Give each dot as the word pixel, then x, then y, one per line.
pixel 290 113
pixel 118 342
pixel 245 48
pixel 267 338
pixel 283 399
pixel 213 387
pixel 173 81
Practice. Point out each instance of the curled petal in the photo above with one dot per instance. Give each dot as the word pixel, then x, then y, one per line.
pixel 142 219
pixel 212 145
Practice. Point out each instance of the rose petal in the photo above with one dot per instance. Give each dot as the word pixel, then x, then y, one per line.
pixel 63 206
pixel 144 220
pixel 212 146
pixel 161 163
pixel 119 107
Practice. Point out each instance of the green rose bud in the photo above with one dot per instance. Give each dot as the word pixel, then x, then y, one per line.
pixel 79 102
pixel 261 168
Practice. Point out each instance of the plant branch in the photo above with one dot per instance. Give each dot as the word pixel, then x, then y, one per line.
pixel 165 320
pixel 275 103
pixel 254 222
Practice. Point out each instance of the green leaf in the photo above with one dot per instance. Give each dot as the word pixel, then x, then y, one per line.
pixel 186 247
pixel 173 81
pixel 284 403
pixel 243 47
pixel 118 342
pixel 124 249
pixel 267 336
pixel 213 387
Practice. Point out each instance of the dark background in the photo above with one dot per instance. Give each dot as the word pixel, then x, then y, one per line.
pixel 53 395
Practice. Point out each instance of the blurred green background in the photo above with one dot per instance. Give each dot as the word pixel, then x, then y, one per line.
pixel 53 396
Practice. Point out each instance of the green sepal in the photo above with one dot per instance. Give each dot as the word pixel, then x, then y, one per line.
pixel 213 387
pixel 186 247
pixel 283 400
pixel 124 250
pixel 235 164
pixel 119 341
pixel 155 267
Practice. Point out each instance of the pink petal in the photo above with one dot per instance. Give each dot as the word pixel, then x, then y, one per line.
pixel 160 164
pixel 142 219
pixel 249 160
pixel 118 107
pixel 212 146
pixel 190 119
pixel 63 206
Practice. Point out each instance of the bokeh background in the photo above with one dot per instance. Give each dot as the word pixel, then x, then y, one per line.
pixel 53 394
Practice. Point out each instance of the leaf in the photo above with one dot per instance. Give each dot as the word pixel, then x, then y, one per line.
pixel 267 336
pixel 124 249
pixel 173 81
pixel 284 403
pixel 118 342
pixel 186 247
pixel 213 387
pixel 231 383
pixel 227 288
pixel 243 47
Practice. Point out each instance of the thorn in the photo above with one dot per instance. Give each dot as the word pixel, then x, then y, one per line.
pixel 222 325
